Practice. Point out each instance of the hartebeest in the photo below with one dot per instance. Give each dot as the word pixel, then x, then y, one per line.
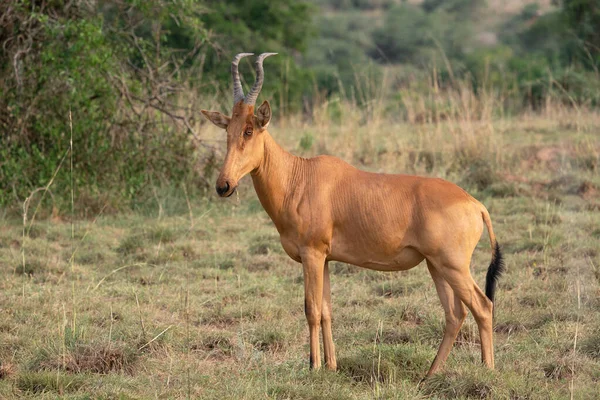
pixel 325 209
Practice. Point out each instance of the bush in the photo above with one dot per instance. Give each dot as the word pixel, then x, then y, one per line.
pixel 79 75
pixel 405 33
pixel 109 75
pixel 412 35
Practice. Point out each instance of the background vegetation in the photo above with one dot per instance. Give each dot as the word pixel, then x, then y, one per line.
pixel 124 277
pixel 126 79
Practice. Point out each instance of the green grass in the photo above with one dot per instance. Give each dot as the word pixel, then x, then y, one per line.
pixel 208 305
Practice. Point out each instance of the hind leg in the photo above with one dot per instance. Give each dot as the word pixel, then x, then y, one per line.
pixel 455 312
pixel 458 276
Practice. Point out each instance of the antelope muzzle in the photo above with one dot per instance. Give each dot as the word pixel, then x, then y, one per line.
pixel 225 188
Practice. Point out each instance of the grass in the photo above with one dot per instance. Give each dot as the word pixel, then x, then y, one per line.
pixel 202 302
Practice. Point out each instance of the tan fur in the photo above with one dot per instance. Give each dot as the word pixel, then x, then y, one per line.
pixel 324 209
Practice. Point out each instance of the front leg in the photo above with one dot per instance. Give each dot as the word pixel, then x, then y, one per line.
pixel 328 346
pixel 313 263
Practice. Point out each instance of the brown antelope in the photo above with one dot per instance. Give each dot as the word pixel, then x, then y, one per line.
pixel 325 210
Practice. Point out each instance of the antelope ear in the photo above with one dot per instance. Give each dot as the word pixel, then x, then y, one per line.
pixel 263 115
pixel 220 120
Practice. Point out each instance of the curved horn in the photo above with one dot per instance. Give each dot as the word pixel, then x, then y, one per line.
pixel 238 92
pixel 253 95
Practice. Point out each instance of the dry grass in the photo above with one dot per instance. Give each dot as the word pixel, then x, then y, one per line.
pixel 201 302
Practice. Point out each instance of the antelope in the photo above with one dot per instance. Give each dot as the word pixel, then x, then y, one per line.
pixel 326 210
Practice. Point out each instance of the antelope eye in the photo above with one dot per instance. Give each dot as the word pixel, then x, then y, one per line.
pixel 248 132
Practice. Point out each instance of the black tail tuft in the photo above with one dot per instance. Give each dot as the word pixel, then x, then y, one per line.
pixel 495 269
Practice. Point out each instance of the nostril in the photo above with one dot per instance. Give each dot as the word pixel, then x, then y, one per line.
pixel 221 190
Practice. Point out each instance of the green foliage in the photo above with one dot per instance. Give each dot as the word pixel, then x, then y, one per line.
pixel 260 26
pixel 553 54
pixel 108 74
pixel 261 23
pixel 546 35
pixel 126 78
pixel 306 141
pixel 356 4
pixel 410 34
pixel 404 34
pixel 64 74
pixel 583 18
pixel 461 7
pixel 65 84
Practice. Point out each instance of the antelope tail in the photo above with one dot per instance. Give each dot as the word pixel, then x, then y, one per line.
pixel 497 266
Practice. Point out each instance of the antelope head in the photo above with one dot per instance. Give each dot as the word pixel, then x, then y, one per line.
pixel 245 142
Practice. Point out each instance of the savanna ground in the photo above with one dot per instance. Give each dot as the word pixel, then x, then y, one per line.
pixel 195 298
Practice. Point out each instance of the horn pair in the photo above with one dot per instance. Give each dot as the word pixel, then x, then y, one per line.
pixel 238 92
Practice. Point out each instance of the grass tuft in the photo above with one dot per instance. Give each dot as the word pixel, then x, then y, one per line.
pixel 132 244
pixel 268 339
pixel 386 364
pixel 6 370
pixel 101 358
pixel 32 267
pixel 265 244
pixel 590 345
pixel 44 382
pixel 472 385
pixel 477 172
pixel 219 345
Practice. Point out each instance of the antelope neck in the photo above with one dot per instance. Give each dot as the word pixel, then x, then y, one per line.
pixel 276 177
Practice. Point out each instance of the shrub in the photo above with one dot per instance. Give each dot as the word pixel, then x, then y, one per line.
pixel 108 76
